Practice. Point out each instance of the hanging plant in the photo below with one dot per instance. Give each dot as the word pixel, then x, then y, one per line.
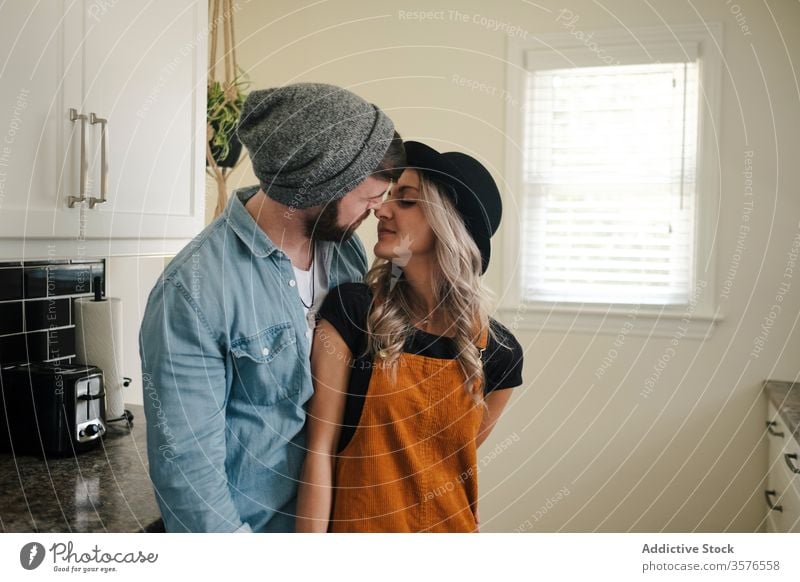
pixel 224 101
pixel 224 104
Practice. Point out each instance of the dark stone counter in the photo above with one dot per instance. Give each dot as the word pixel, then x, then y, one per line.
pixel 786 398
pixel 106 489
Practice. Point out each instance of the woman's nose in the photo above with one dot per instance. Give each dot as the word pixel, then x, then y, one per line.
pixel 382 210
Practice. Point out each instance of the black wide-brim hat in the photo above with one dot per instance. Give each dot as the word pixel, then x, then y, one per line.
pixel 468 184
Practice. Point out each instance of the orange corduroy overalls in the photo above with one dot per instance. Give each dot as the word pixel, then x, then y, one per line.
pixel 411 464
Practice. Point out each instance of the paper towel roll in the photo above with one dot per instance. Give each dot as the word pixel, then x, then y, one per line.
pixel 98 338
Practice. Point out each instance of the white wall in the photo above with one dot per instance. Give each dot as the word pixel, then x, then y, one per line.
pixel 692 456
pixel 131 279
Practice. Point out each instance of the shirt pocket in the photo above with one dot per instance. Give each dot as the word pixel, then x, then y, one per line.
pixel 266 366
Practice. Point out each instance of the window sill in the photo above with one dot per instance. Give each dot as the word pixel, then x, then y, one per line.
pixel 645 320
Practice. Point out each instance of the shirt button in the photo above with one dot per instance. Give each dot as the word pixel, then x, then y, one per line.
pixel 292 283
pixel 265 351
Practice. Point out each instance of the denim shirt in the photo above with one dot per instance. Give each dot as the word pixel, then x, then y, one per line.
pixel 226 376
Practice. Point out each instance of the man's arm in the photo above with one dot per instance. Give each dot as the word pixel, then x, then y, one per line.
pixel 183 376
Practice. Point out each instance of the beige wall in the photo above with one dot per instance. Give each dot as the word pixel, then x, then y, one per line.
pixel 690 457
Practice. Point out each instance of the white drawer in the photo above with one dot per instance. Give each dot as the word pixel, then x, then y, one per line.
pixel 788 518
pixel 790 484
pixel 783 484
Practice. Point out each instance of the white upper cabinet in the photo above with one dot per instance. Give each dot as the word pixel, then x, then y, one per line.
pixel 37 78
pixel 135 75
pixel 144 73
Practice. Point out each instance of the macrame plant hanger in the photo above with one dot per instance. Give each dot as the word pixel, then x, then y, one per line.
pixel 221 11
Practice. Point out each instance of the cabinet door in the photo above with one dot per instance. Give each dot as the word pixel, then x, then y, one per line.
pixel 145 73
pixel 39 145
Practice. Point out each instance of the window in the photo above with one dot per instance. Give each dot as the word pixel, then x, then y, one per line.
pixel 614 172
pixel 609 170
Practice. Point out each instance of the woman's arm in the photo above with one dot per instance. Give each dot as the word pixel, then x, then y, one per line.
pixel 495 403
pixel 330 369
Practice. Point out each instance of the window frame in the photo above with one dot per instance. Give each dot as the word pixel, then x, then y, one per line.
pixel 640 45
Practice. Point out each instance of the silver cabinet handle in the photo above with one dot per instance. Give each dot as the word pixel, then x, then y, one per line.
pixel 75 116
pixel 769 493
pixel 791 462
pixel 770 430
pixel 94 120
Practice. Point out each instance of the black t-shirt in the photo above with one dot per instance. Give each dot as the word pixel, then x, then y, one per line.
pixel 346 308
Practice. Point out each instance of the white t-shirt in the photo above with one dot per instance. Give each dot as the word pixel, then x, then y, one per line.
pixel 309 292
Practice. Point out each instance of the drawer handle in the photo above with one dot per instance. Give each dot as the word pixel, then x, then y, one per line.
pixel 789 457
pixel 770 424
pixel 767 494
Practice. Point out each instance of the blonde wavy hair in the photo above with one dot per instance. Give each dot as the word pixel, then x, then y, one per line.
pixel 458 292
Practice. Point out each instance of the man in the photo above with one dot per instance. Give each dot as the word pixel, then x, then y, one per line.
pixel 226 333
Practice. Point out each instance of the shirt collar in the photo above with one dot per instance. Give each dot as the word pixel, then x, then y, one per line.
pixel 245 226
pixel 252 235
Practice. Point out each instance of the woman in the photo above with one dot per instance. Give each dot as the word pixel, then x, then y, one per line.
pixel 409 370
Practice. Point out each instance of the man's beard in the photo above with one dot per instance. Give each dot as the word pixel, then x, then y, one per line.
pixel 325 225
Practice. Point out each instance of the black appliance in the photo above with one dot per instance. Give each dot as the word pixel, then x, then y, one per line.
pixel 51 408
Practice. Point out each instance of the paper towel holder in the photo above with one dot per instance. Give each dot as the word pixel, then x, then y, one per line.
pixel 126 415
pixel 98 292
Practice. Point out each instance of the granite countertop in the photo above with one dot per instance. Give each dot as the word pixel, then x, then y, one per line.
pixel 106 489
pixel 786 398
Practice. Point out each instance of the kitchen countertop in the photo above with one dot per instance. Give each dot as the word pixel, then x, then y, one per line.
pixel 786 398
pixel 106 489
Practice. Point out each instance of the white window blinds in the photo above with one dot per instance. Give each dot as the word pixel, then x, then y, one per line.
pixel 609 184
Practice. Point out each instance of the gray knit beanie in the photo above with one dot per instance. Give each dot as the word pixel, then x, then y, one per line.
pixel 312 143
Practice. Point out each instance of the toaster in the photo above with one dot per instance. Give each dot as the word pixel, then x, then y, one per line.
pixel 51 408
